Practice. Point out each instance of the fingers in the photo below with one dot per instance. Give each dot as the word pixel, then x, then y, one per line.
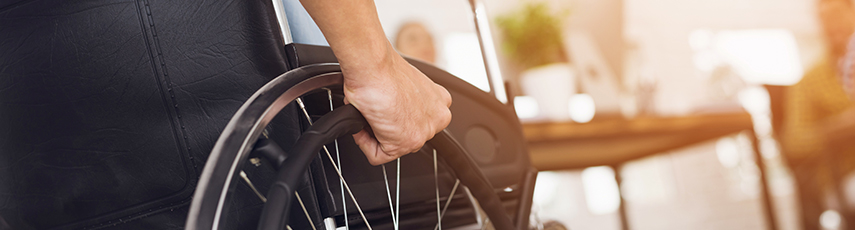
pixel 368 145
pixel 371 148
pixel 375 151
pixel 445 95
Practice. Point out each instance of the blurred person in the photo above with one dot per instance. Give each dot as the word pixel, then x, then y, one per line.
pixel 819 120
pixel 414 40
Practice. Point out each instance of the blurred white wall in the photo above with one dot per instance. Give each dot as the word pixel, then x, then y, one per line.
pixel 451 24
pixel 440 16
pixel 659 31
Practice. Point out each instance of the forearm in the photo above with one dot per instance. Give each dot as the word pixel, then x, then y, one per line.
pixel 353 31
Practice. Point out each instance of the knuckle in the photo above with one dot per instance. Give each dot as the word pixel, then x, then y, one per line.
pixel 415 145
pixel 445 95
pixel 445 117
pixel 448 98
pixel 375 161
pixel 416 149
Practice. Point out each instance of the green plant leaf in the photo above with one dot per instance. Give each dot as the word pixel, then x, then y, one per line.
pixel 532 35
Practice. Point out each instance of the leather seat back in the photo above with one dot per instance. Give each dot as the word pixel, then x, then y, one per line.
pixel 108 108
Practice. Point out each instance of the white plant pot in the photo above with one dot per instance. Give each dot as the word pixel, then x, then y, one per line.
pixel 551 86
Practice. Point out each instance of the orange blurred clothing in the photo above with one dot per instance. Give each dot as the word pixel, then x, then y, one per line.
pixel 817 168
pixel 818 96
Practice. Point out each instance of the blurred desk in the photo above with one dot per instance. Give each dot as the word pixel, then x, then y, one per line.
pixel 556 146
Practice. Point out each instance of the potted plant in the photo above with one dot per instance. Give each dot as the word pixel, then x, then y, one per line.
pixel 532 38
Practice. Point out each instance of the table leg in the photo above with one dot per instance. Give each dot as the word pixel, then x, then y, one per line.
pixel 624 222
pixel 765 197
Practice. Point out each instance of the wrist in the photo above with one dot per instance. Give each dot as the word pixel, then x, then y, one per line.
pixel 367 57
pixel 369 63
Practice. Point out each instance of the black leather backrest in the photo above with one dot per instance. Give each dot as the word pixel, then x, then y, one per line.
pixel 108 108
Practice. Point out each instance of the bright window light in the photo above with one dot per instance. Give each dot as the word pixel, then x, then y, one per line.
pixel 582 108
pixel 462 54
pixel 706 60
pixel 526 107
pixel 701 39
pixel 601 190
pixel 768 56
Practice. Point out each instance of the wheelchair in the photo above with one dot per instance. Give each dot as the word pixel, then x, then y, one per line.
pixel 168 114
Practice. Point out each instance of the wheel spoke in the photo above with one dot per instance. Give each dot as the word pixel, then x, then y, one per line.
pixel 349 192
pixel 479 216
pixel 338 163
pixel 436 186
pixel 248 182
pixel 389 195
pixel 337 170
pixel 448 202
pixel 398 194
pixel 297 194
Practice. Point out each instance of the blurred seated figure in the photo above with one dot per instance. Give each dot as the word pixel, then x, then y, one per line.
pixel 819 120
pixel 414 40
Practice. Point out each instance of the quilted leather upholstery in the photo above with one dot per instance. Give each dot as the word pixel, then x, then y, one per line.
pixel 108 108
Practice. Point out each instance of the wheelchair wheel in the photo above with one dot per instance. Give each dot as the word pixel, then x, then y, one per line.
pixel 241 137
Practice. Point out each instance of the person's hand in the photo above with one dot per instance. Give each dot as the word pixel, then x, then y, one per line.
pixel 403 107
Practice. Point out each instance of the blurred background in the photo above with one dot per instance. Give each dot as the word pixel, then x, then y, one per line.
pixel 662 114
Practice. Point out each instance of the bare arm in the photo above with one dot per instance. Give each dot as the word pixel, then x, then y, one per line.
pixel 403 106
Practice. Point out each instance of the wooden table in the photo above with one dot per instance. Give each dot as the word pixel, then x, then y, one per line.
pixel 556 146
pixel 612 142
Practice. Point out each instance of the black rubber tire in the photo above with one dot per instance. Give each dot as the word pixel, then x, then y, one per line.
pixel 236 141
